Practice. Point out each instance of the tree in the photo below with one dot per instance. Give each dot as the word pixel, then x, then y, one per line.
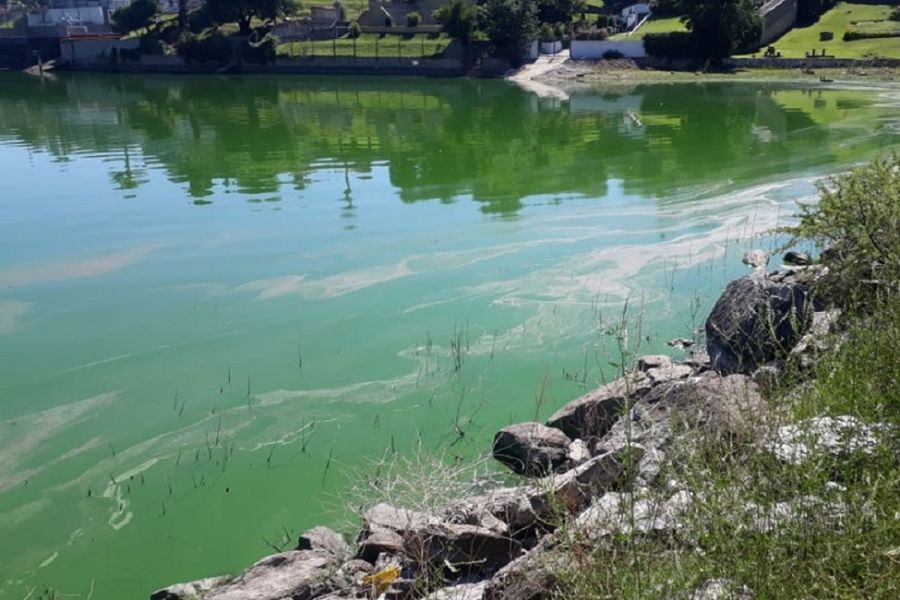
pixel 136 15
pixel 558 11
pixel 510 24
pixel 720 27
pixel 242 12
pixel 458 19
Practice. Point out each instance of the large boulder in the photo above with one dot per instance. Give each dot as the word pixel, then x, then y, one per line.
pixel 460 547
pixel 531 448
pixel 298 574
pixel 758 318
pixel 591 415
pixel 729 407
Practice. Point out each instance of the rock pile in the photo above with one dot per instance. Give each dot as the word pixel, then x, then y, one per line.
pixel 582 463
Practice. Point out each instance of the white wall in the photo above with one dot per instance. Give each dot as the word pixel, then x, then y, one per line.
pixel 595 49
pixel 83 15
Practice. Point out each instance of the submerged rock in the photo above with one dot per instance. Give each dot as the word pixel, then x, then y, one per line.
pixel 531 448
pixel 756 319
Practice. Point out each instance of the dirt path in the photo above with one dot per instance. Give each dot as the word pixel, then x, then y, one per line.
pixel 526 76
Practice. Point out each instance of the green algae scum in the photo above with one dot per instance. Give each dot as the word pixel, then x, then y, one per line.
pixel 222 298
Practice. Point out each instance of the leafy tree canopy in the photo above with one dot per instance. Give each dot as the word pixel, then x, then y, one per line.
pixel 136 15
pixel 243 12
pixel 459 19
pixel 510 24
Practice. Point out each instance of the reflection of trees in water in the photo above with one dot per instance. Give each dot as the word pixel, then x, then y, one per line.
pixel 439 139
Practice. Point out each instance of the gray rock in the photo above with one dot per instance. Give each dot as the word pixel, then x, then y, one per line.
pixel 384 529
pixel 818 340
pixel 757 319
pixel 626 513
pixel 578 453
pixel 653 361
pixel 797 259
pixel 721 589
pixel 298 574
pixel 323 538
pixel 190 590
pixel 729 406
pixel 530 577
pixel 680 343
pixel 825 436
pixel 531 448
pixel 669 373
pixel 460 547
pixel 758 259
pixel 462 591
pixel 591 415
pixel 524 509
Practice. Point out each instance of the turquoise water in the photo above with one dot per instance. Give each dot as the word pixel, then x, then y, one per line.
pixel 223 297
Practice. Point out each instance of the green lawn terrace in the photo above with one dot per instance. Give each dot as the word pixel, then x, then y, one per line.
pixel 845 16
pixel 651 26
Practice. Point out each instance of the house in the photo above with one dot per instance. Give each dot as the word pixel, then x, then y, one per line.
pixel 634 14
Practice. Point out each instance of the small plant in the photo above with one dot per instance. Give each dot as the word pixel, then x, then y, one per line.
pixel 413 19
pixel 342 12
pixel 354 31
pixel 613 55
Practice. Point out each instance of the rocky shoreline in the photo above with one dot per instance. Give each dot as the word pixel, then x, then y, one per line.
pixel 595 455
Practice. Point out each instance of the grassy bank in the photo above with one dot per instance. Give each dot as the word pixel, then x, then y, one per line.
pixel 826 525
pixel 846 16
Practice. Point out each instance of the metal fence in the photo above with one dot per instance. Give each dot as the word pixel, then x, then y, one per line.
pixel 418 46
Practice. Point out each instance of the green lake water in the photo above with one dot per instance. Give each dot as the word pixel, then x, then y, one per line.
pixel 222 298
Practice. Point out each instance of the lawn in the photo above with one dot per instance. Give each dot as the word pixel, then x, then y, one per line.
pixel 844 16
pixel 653 26
pixel 368 45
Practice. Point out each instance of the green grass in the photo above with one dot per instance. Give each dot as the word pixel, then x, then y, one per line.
pixel 845 543
pixel 667 25
pixel 799 41
pixel 369 45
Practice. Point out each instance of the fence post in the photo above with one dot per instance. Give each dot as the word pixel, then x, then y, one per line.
pixel 422 40
pixel 334 41
pixel 399 47
pixel 376 47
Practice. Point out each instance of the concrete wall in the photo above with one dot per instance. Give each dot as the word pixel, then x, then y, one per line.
pixel 77 15
pixel 87 52
pixel 778 17
pixel 595 49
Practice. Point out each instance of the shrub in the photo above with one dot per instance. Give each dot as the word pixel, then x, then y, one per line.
pixel 858 220
pixel 213 48
pixel 413 19
pixel 546 33
pixel 895 14
pixel 612 55
pixel 675 45
pixel 354 31
pixel 854 34
pixel 388 21
pixel 458 19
